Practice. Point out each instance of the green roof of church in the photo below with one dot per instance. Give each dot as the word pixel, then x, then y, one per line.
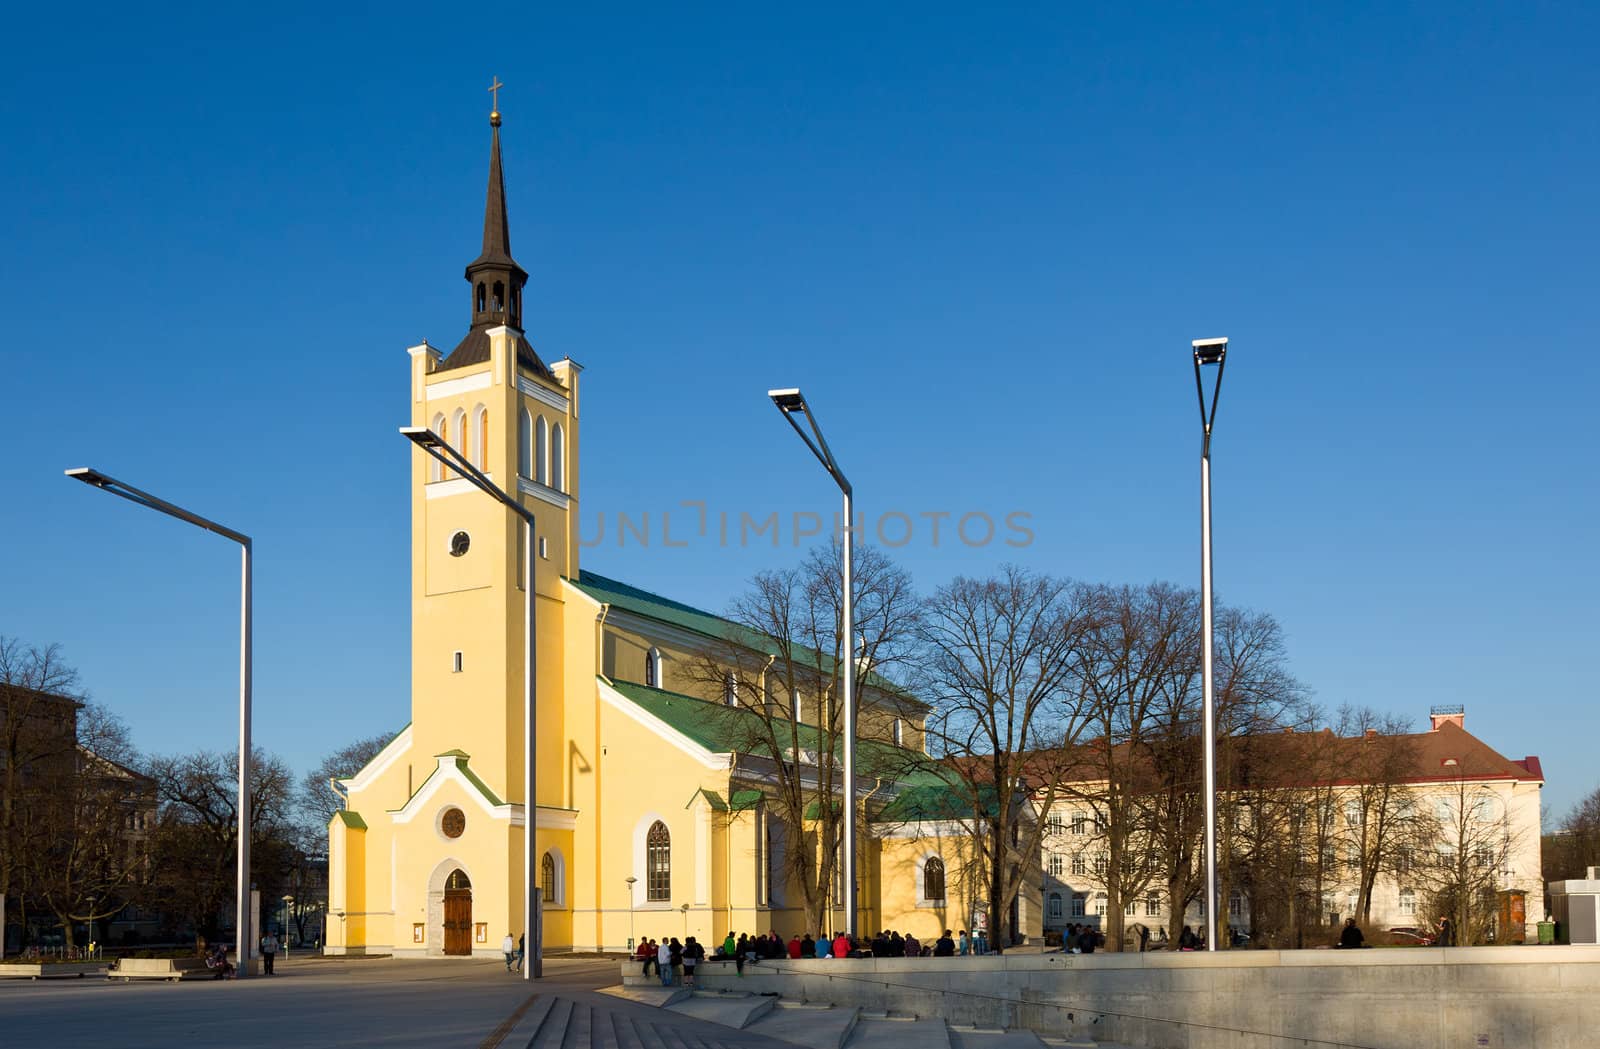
pixel 720 728
pixel 350 819
pixel 717 628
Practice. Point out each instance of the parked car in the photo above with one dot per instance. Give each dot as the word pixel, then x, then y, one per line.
pixel 1410 936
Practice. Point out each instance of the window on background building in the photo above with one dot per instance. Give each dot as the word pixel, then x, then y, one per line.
pixel 730 689
pixel 1408 901
pixel 1077 905
pixel 1330 859
pixel 1101 902
pixel 1352 856
pixel 1100 863
pixel 1446 856
pixel 1055 906
pixel 1079 866
pixel 1131 909
pixel 1056 825
pixel 1352 813
pixel 547 878
pixel 933 879
pixel 652 668
pixel 1080 823
pixel 1235 903
pixel 1404 859
pixel 899 732
pixel 658 862
pixel 1099 824
pixel 1057 865
pixel 1485 810
pixel 1483 857
pixel 1152 905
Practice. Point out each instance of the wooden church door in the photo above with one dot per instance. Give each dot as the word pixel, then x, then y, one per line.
pixel 458 914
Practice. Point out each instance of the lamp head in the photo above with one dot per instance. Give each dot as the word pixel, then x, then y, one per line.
pixel 89 476
pixel 630 879
pixel 421 436
pixel 791 400
pixel 1210 351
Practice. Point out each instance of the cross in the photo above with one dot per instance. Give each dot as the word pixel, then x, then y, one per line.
pixel 494 89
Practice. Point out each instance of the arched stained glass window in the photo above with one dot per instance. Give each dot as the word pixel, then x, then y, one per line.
pixel 658 862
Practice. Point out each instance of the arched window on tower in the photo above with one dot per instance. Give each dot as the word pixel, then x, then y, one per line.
pixel 933 878
pixel 658 862
pixel 541 451
pixel 458 427
pixel 482 298
pixel 525 443
pixel 499 297
pixel 480 437
pixel 435 467
pixel 652 668
pixel 558 458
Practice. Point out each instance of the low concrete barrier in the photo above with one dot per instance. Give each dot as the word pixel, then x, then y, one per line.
pixel 173 969
pixel 1402 998
pixel 53 971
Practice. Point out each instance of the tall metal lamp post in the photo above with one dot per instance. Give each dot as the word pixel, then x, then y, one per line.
pixel 1208 352
pixel 96 479
pixel 533 897
pixel 792 403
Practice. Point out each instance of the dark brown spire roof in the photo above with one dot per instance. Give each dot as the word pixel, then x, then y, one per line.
pixel 496 231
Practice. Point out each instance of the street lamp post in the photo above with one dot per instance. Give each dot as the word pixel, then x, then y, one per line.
pixel 792 402
pixel 630 879
pixel 96 479
pixel 533 899
pixel 1208 352
pixel 283 928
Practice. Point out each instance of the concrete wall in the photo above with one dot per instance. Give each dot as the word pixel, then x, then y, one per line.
pixel 1402 998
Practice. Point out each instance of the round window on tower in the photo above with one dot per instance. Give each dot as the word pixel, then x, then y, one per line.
pixel 459 544
pixel 452 823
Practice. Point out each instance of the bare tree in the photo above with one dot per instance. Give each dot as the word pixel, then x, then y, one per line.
pixel 196 841
pixel 39 695
pixel 87 862
pixel 779 673
pixel 1002 664
pixel 1574 846
pixel 1473 843
pixel 1379 755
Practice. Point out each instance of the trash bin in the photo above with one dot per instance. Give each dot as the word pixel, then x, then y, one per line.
pixel 1547 932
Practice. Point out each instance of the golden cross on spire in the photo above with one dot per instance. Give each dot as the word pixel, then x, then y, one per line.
pixel 494 89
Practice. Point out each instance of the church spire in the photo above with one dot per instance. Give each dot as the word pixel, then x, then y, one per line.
pixel 495 277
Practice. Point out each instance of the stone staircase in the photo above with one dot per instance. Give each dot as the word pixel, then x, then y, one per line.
pixel 806 1025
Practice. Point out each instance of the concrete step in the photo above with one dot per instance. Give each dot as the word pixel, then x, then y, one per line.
pixel 899 1032
pixel 653 995
pixel 730 1010
pixel 993 1038
pixel 552 1031
pixel 816 1026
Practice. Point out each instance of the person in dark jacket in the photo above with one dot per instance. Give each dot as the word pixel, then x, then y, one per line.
pixel 808 946
pixel 1351 936
pixel 945 947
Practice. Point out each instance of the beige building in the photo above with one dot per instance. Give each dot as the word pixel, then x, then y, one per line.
pixel 1417 814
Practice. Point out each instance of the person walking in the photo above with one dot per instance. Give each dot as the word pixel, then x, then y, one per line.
pixel 508 947
pixel 269 950
pixel 522 950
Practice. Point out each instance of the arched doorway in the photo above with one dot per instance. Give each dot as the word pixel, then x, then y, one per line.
pixel 458 913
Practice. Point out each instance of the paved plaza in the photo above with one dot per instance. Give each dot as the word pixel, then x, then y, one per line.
pixel 341 1002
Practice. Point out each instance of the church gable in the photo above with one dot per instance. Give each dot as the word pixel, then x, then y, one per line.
pixel 453 769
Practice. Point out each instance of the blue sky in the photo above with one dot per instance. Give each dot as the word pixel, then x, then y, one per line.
pixel 980 238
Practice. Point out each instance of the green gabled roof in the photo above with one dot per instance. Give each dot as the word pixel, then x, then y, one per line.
pixel 463 755
pixel 483 788
pixel 743 800
pixel 720 728
pixel 712 798
pixel 934 801
pixel 717 628
pixel 350 819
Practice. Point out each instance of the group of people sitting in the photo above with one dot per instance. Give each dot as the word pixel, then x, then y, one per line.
pixel 675 962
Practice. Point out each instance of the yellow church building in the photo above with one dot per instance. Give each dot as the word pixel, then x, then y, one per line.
pixel 651 820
